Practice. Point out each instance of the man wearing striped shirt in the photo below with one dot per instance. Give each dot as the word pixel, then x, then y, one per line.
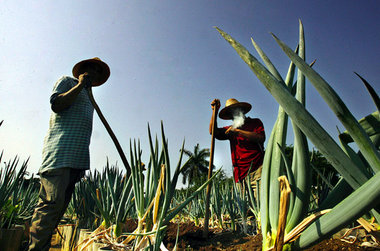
pixel 65 155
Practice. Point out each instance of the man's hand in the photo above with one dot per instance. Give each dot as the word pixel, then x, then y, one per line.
pixel 251 136
pixel 215 104
pixel 85 80
pixel 230 130
pixel 64 100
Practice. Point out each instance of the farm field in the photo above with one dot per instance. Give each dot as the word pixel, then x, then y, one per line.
pixel 190 238
pixel 307 188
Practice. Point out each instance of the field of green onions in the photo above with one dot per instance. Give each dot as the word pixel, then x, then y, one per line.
pixel 304 197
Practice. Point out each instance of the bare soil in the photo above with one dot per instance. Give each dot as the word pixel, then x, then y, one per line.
pixel 190 238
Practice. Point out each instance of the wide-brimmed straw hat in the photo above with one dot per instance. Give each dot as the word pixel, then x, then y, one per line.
pixel 231 106
pixel 102 77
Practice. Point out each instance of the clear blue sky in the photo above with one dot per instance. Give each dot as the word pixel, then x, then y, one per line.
pixel 168 63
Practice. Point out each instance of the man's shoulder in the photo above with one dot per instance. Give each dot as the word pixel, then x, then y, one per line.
pixel 254 120
pixel 254 123
pixel 67 78
pixel 66 82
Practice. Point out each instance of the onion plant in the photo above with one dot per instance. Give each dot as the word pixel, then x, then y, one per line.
pixel 162 213
pixel 152 198
pixel 82 206
pixel 217 203
pixel 196 209
pixel 113 197
pixel 305 126
pixel 242 205
pixel 253 198
pixel 108 198
pixel 229 203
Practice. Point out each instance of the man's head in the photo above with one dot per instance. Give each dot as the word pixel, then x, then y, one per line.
pixel 95 67
pixel 233 108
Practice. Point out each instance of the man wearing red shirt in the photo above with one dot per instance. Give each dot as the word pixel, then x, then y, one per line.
pixel 246 136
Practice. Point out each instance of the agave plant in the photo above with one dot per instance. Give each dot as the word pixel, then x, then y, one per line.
pixel 305 125
pixel 17 199
pixel 82 205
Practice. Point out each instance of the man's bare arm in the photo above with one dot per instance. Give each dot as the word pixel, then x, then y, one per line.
pixel 219 132
pixel 64 100
pixel 251 136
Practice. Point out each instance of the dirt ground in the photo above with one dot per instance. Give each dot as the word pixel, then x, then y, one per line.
pixel 190 238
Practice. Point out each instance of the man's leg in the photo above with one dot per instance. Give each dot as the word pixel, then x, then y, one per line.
pixel 75 176
pixel 255 176
pixel 47 213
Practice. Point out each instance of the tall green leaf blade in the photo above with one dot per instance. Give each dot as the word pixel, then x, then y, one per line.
pixel 304 120
pixel 280 130
pixel 265 182
pixel 291 179
pixel 340 191
pixel 370 124
pixel 277 167
pixel 170 215
pixel 353 155
pixel 338 107
pixel 371 91
pixel 361 164
pixel 301 165
pixel 350 209
pixel 267 61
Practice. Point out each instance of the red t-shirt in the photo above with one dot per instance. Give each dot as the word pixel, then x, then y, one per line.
pixel 243 151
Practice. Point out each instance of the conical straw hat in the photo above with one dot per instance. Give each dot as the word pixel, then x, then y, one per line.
pixel 102 78
pixel 231 105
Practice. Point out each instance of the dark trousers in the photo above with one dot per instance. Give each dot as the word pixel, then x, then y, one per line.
pixel 57 187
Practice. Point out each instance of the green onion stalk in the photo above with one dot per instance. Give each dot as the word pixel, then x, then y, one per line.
pixel 371 125
pixel 359 135
pixel 111 195
pixel 304 125
pixel 216 203
pixel 101 196
pixel 121 196
pixel 166 213
pixel 154 194
pixel 229 205
pixel 242 205
pixel 195 209
pixel 253 198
